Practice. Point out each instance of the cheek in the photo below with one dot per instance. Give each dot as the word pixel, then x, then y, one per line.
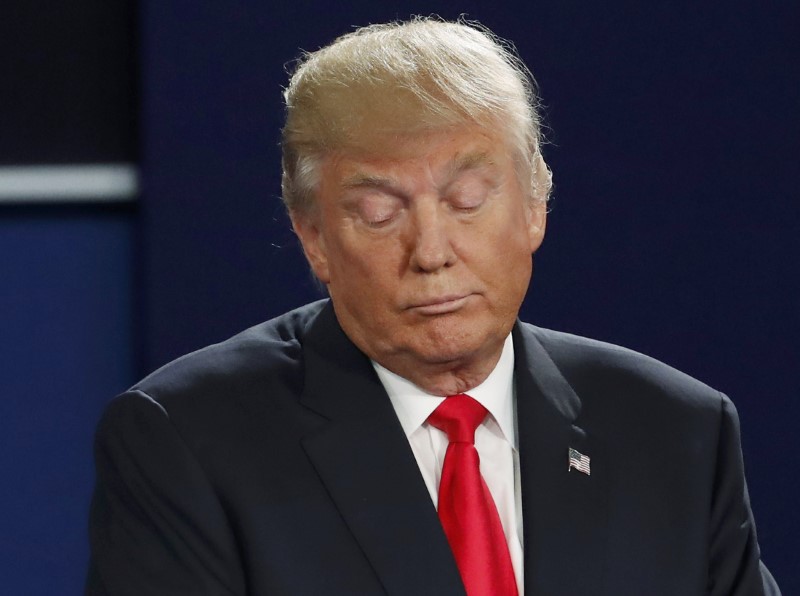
pixel 506 253
pixel 361 268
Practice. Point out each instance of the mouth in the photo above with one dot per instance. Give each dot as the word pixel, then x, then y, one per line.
pixel 440 305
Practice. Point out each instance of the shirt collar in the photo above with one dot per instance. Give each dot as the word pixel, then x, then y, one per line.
pixel 496 394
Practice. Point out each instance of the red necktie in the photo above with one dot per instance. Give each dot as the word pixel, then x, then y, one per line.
pixel 466 508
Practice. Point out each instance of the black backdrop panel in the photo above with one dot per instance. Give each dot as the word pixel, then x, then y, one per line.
pixel 674 228
pixel 68 91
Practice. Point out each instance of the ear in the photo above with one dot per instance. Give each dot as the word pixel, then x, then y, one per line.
pixel 537 221
pixel 307 228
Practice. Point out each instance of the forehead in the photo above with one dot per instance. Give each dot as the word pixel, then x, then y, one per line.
pixel 441 153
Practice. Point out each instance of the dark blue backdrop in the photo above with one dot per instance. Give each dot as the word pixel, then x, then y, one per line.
pixel 674 230
pixel 67 343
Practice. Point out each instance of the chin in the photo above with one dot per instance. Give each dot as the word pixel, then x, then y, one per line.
pixel 444 344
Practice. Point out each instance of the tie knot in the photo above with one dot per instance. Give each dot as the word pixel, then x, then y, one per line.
pixel 458 416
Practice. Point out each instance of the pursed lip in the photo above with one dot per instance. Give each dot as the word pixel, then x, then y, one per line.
pixel 440 304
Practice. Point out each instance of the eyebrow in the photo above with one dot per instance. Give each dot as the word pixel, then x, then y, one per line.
pixel 361 180
pixel 469 161
pixel 460 163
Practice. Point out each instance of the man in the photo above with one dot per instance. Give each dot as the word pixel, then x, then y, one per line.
pixel 409 435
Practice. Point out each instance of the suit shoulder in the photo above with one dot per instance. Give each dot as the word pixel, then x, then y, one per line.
pixel 591 365
pixel 263 355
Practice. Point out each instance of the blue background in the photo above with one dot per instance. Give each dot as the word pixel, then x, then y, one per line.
pixel 674 230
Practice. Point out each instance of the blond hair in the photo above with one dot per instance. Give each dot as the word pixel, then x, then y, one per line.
pixel 395 80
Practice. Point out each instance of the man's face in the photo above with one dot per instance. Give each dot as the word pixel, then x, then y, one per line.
pixel 427 253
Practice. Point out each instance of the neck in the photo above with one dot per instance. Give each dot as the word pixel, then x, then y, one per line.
pixel 444 378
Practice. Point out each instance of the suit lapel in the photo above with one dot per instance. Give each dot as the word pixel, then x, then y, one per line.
pixel 363 457
pixel 564 512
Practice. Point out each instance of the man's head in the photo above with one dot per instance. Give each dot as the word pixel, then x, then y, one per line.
pixel 402 79
pixel 415 182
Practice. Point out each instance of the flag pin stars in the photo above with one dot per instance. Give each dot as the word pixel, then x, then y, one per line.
pixel 578 461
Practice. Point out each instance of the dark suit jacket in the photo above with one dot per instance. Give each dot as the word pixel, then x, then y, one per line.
pixel 273 463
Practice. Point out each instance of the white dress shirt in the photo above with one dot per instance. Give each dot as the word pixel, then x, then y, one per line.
pixel 495 440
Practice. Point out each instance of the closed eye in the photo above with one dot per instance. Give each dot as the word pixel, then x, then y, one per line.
pixel 467 208
pixel 469 192
pixel 377 209
pixel 468 202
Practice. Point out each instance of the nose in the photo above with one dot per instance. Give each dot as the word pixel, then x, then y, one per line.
pixel 432 247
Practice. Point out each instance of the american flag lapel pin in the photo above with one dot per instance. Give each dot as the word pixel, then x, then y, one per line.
pixel 579 461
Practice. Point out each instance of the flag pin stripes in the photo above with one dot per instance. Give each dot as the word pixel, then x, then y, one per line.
pixel 578 461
